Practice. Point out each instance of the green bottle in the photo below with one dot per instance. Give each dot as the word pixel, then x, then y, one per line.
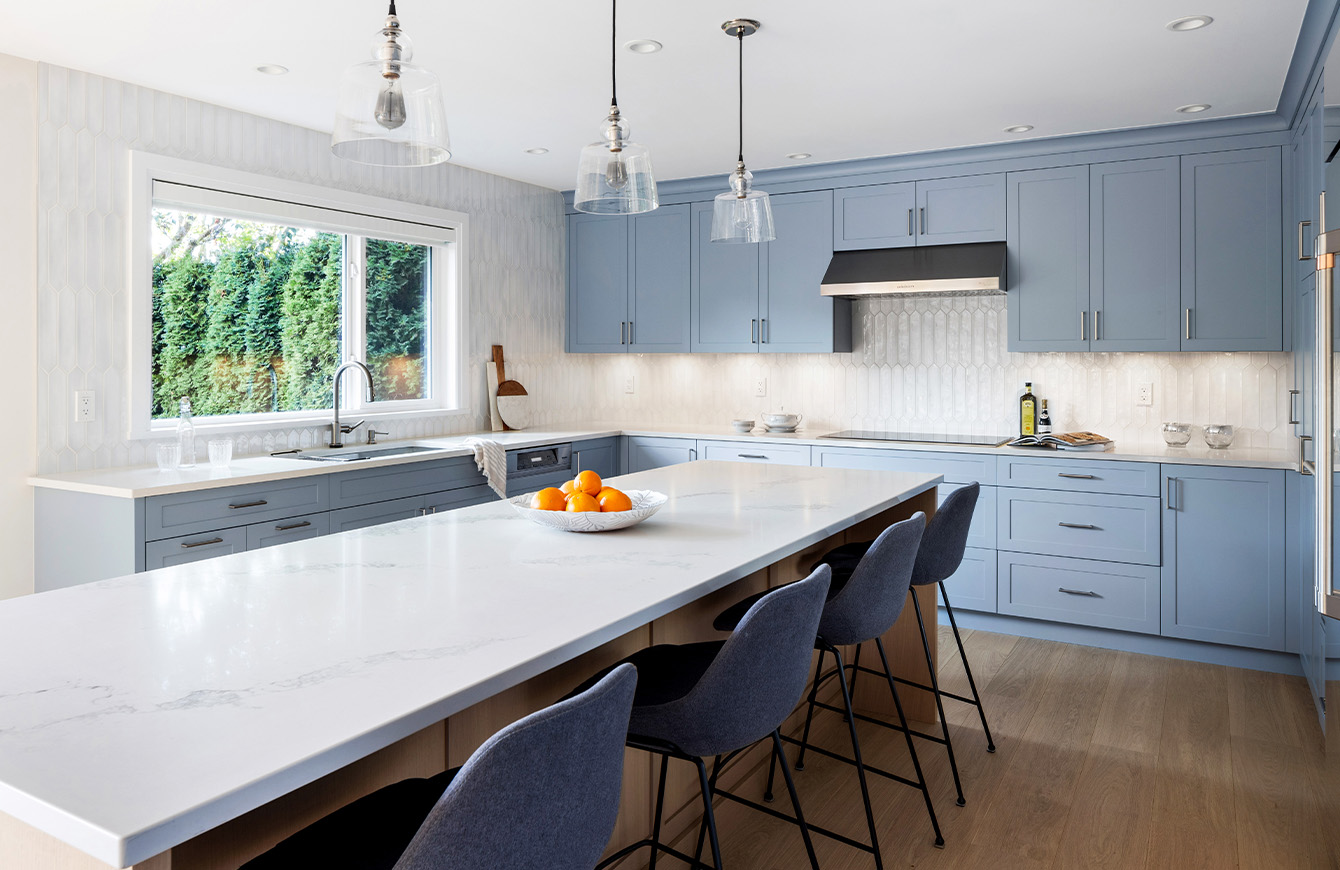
pixel 1028 411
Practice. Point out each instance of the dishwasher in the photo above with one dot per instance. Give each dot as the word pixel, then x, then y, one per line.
pixel 534 468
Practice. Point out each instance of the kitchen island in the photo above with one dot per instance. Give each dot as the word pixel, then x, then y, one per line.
pixel 150 710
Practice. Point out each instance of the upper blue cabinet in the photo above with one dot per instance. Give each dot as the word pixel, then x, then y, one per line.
pixel 941 211
pixel 1232 251
pixel 1048 260
pixel 627 282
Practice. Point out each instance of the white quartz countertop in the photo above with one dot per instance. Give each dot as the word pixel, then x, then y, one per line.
pixel 141 481
pixel 140 711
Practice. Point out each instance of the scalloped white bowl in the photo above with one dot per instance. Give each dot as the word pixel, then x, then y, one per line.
pixel 645 503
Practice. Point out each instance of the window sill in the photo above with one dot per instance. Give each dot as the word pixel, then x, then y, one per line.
pixel 161 429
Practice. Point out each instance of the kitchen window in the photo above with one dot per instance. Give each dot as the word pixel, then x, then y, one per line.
pixel 249 292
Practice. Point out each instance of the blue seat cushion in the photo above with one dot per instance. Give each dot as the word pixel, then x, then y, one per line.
pixel 369 834
pixel 843 560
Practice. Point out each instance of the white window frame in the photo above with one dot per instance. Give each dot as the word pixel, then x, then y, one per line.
pixel 211 188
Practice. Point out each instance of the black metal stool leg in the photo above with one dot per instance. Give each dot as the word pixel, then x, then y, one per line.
pixel 709 817
pixel 976 698
pixel 939 704
pixel 911 748
pixel 772 775
pixel 702 827
pixel 855 669
pixel 795 802
pixel 809 715
pixel 660 807
pixel 860 767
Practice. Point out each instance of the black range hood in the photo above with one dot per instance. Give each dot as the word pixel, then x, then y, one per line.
pixel 937 270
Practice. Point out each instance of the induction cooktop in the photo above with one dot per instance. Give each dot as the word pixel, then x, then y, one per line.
pixel 919 437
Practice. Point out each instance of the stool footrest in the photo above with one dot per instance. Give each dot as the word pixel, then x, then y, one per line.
pixel 832 835
pixel 839 757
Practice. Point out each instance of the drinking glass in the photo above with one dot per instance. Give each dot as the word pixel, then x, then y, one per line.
pixel 220 452
pixel 169 454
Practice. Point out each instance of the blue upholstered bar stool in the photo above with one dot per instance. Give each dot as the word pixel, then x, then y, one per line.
pixel 717 699
pixel 865 606
pixel 541 794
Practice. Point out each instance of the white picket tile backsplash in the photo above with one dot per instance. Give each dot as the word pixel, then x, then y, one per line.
pixel 928 365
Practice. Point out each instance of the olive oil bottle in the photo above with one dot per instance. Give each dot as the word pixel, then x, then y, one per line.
pixel 1028 411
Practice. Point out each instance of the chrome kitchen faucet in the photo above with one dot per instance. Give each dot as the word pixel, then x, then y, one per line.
pixel 336 430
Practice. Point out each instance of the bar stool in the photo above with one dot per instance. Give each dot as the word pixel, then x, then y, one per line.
pixel 542 793
pixel 865 607
pixel 721 697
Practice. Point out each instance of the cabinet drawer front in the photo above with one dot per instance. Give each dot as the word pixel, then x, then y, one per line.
pixel 973 585
pixel 362 516
pixel 459 498
pixel 285 530
pixel 189 512
pixel 647 452
pixel 982 531
pixel 1096 475
pixel 755 451
pixel 1115 528
pixel 1102 594
pixel 193 548
pixel 956 467
pixel 399 481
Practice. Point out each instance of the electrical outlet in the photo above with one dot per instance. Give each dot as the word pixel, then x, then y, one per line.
pixel 83 406
pixel 760 387
pixel 628 384
pixel 1144 394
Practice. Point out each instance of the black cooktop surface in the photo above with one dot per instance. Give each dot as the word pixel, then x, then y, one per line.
pixel 919 437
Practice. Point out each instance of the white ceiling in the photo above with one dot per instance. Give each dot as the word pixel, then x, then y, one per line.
pixel 842 79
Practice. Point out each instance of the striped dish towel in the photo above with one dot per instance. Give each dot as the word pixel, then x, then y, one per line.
pixel 491 459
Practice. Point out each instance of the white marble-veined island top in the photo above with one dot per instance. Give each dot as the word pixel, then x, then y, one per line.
pixel 140 711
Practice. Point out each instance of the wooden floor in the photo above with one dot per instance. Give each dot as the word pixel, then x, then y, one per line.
pixel 1104 759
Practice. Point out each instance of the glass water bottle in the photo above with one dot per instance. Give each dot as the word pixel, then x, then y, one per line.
pixel 185 436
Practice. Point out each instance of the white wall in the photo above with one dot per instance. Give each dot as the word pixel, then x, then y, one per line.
pixel 18 251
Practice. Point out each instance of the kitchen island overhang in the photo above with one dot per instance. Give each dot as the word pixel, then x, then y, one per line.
pixel 158 706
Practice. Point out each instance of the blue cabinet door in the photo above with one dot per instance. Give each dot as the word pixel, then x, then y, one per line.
pixel 794 317
pixel 878 216
pixel 725 290
pixel 648 452
pixel 658 300
pixel 1232 283
pixel 953 211
pixel 1048 265
pixel 1223 578
pixel 597 283
pixel 600 455
pixel 1135 255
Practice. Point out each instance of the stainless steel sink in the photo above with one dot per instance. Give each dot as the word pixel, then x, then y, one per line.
pixel 358 455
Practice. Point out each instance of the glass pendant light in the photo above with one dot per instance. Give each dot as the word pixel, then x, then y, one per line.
pixel 614 175
pixel 742 214
pixel 390 110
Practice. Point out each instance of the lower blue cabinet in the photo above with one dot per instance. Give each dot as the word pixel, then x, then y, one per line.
pixel 1079 591
pixel 1223 555
pixel 283 531
pixel 364 515
pixel 193 548
pixel 600 455
pixel 647 452
pixel 973 585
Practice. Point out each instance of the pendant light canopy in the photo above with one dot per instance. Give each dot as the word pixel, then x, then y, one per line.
pixel 742 214
pixel 614 175
pixel 390 110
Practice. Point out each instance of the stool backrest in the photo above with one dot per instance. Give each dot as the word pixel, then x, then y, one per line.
pixel 541 793
pixel 946 537
pixel 759 675
pixel 873 598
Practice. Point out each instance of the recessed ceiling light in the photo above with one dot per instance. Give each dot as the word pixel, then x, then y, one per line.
pixel 537 150
pixel 272 69
pixel 1019 128
pixel 1194 108
pixel 643 46
pixel 799 155
pixel 1191 22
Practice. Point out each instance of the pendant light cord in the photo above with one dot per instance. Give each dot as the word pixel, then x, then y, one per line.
pixel 614 53
pixel 392 11
pixel 739 33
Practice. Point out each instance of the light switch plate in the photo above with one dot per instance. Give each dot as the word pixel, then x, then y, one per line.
pixel 84 411
pixel 628 384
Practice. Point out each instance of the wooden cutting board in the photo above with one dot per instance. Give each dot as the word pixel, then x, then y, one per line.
pixel 513 402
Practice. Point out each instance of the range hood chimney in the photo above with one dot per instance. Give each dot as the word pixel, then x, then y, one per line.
pixel 938 270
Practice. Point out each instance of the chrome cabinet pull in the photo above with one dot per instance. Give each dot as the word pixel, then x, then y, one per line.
pixel 910 231
pixel 1078 526
pixel 1293 394
pixel 1188 324
pixel 1075 476
pixel 247 504
pixel 751 456
pixel 623 332
pixel 1169 492
pixel 923 221
pixel 1301 256
pixel 693 454
pixel 630 333
pixel 1303 464
pixel 763 331
pixel 1082 321
pixel 753 331
pixel 1087 594
pixel 291 526
pixel 1095 324
pixel 193 544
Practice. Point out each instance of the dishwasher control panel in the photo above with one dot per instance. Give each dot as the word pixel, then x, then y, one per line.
pixel 539 460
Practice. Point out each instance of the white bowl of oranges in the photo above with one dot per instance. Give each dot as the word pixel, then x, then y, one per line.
pixel 586 504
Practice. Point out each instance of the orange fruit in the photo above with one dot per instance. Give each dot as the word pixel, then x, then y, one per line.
pixel 611 499
pixel 568 488
pixel 548 499
pixel 583 502
pixel 588 482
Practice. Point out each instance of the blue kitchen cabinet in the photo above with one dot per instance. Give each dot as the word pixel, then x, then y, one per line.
pixel 1134 255
pixel 597 283
pixel 600 455
pixel 1223 575
pixel 193 548
pixel 1232 276
pixel 363 516
pixel 794 316
pixel 724 285
pixel 628 282
pixel 644 452
pixel 1048 259
pixel 260 535
pixel 938 211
